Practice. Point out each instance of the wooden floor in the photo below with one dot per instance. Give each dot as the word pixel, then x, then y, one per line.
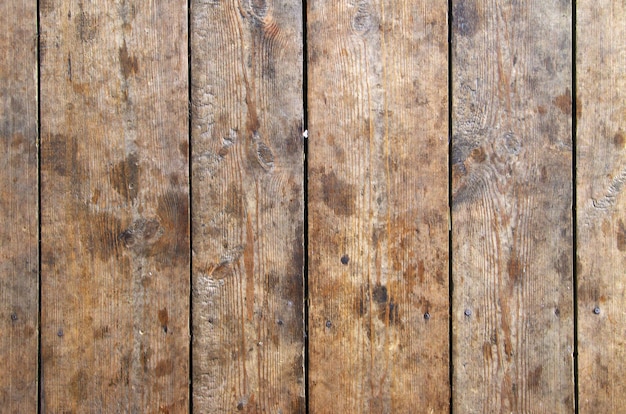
pixel 331 206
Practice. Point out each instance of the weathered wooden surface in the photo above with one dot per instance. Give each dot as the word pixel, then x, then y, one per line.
pixel 18 208
pixel 114 202
pixel 378 281
pixel 247 152
pixel 511 215
pixel 601 205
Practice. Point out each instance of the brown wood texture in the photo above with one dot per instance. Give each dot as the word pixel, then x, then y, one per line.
pixel 247 224
pixel 114 202
pixel 378 207
pixel 601 205
pixel 18 208
pixel 512 201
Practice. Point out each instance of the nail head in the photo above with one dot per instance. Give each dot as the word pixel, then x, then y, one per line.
pixel 596 310
pixel 468 312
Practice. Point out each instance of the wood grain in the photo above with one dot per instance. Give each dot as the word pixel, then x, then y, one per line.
pixel 247 152
pixel 512 202
pixel 114 189
pixel 378 208
pixel 18 208
pixel 601 205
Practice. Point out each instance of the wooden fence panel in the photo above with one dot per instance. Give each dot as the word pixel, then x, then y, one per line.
pixel 114 203
pixel 18 208
pixel 378 206
pixel 601 205
pixel 247 221
pixel 512 202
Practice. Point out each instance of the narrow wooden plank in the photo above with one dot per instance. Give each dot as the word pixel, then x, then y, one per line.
pixel 18 208
pixel 378 208
pixel 512 200
pixel 601 205
pixel 115 232
pixel 247 152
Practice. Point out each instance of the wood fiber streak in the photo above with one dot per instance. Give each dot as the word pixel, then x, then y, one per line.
pixel 601 205
pixel 115 222
pixel 18 208
pixel 247 171
pixel 378 210
pixel 512 201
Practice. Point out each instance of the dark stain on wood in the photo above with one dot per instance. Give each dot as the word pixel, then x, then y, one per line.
pixel 128 63
pixel 379 294
pixel 173 212
pixel 621 236
pixel 564 102
pixel 514 268
pixel 618 140
pixel 534 377
pixel 141 235
pixel 164 367
pixel 86 27
pixel 163 317
pixel 465 18
pixel 124 177
pixel 99 232
pixel 338 195
pixel 78 385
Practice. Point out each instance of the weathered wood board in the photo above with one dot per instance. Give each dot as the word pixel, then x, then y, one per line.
pixel 601 205
pixel 114 206
pixel 378 206
pixel 247 221
pixel 18 208
pixel 512 206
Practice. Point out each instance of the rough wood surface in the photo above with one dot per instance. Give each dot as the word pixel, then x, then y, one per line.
pixel 601 205
pixel 18 207
pixel 512 202
pixel 247 152
pixel 115 231
pixel 378 208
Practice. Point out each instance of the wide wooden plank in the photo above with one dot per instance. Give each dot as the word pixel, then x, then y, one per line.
pixel 247 192
pixel 512 201
pixel 115 231
pixel 378 206
pixel 601 205
pixel 18 208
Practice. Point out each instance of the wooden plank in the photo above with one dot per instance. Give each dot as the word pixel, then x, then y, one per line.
pixel 601 205
pixel 512 200
pixel 18 208
pixel 247 152
pixel 378 206
pixel 115 231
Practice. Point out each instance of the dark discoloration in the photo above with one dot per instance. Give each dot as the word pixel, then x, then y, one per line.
pixel 363 20
pixel 128 63
pixel 618 140
pixel 338 195
pixel 514 268
pixel 164 367
pixel 379 294
pixel 99 232
pixel 465 18
pixel 163 317
pixel 78 385
pixel 621 236
pixel 534 377
pixel 564 102
pixel 564 266
pixel 59 155
pixel 141 235
pixel 173 212
pixel 345 259
pixel 86 27
pixel 478 154
pixel 124 177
